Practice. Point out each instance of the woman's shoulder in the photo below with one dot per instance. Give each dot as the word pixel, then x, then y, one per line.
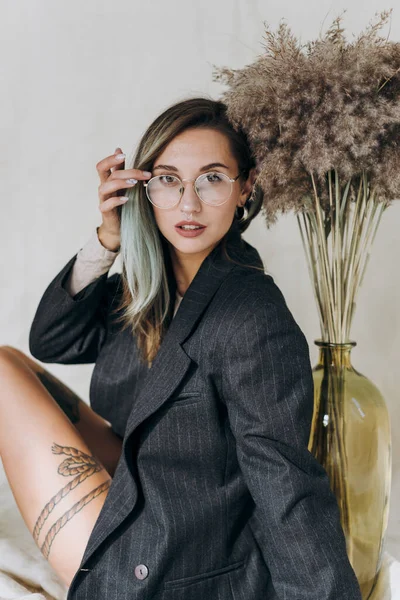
pixel 252 304
pixel 245 289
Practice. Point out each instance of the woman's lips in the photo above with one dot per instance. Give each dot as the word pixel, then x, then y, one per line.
pixel 189 232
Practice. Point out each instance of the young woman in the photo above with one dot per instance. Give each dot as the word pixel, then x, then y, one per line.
pixel 189 476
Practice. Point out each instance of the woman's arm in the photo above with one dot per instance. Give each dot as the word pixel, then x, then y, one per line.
pixel 69 326
pixel 268 390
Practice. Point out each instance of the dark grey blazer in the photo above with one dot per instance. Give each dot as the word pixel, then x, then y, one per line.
pixel 216 495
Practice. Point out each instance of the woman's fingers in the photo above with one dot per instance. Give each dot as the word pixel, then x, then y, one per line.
pixel 113 167
pixel 113 176
pixel 120 166
pixel 104 166
pixel 112 185
pixel 119 181
pixel 111 203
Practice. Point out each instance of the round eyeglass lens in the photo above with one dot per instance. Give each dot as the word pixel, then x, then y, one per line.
pixel 214 188
pixel 165 190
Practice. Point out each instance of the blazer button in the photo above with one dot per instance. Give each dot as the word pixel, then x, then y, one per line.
pixel 141 571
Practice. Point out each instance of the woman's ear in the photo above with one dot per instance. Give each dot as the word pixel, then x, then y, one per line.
pixel 248 185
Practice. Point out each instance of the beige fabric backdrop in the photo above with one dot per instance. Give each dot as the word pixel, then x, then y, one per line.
pixel 80 78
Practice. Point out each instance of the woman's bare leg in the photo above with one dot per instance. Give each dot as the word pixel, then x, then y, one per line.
pixel 51 446
pixel 104 443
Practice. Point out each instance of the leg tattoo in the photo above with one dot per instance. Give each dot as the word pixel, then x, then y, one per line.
pixel 81 464
pixel 45 549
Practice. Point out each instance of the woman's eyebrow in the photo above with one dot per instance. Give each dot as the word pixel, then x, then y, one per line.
pixel 205 168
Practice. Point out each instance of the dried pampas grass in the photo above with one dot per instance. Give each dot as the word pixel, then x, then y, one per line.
pixel 323 121
pixel 329 104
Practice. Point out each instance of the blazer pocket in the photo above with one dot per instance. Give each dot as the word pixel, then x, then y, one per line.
pixel 183 399
pixel 175 583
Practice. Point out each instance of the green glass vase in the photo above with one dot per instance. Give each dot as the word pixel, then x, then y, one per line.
pixel 351 437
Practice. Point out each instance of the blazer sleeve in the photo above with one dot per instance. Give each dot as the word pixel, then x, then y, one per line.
pixel 70 329
pixel 268 390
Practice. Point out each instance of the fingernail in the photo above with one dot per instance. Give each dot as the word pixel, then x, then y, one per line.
pixel 131 180
pixel 147 173
pixel 124 199
pixel 119 156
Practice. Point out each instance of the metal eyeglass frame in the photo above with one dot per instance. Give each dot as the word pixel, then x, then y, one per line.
pixel 194 187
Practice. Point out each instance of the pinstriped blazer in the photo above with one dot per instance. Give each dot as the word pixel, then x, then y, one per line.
pixel 215 495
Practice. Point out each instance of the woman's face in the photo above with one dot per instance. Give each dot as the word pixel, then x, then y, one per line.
pixel 188 155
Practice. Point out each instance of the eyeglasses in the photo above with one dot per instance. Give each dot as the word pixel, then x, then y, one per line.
pixel 213 188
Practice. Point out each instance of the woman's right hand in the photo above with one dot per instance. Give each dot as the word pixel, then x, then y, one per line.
pixel 113 179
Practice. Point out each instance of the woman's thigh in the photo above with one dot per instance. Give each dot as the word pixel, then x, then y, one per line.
pixel 104 443
pixel 58 482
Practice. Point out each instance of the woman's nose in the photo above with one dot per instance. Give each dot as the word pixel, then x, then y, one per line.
pixel 189 200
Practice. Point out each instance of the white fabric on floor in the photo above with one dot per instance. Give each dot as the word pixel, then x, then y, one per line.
pixel 24 572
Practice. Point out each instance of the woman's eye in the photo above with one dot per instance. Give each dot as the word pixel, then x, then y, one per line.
pixel 167 179
pixel 213 177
